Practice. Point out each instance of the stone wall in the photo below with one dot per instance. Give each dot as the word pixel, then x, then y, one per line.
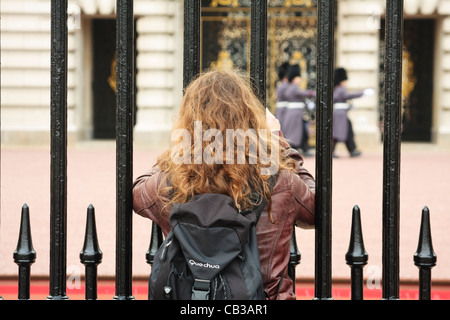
pixel 25 66
pixel 357 50
pixel 25 53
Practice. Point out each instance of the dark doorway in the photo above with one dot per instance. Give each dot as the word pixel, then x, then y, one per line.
pixel 417 113
pixel 417 87
pixel 104 78
pixel 104 97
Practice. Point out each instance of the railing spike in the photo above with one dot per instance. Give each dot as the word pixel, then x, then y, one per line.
pixel 24 255
pixel 356 256
pixel 91 252
pixel 425 258
pixel 425 254
pixel 91 255
pixel 356 253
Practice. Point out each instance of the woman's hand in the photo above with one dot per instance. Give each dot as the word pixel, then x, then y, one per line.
pixel 272 122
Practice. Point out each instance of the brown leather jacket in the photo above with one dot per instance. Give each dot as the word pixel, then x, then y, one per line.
pixel 292 203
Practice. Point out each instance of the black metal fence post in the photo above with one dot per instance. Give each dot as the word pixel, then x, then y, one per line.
pixel 258 71
pixel 156 240
pixel 91 255
pixel 324 118
pixel 425 258
pixel 258 48
pixel 58 179
pixel 294 258
pixel 191 55
pixel 392 143
pixel 356 256
pixel 124 148
pixel 24 255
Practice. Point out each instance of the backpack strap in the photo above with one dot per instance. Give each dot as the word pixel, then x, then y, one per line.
pixel 200 289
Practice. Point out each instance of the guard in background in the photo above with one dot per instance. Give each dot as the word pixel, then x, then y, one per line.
pixel 293 126
pixel 281 106
pixel 342 126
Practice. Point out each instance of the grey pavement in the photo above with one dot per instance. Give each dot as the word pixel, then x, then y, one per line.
pixel 425 181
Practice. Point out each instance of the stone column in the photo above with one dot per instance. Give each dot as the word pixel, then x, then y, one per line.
pixel 159 64
pixel 357 50
pixel 441 115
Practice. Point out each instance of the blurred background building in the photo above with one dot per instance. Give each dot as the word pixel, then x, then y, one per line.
pixel 225 41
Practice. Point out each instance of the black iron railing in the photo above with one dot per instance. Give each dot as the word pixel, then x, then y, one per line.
pixel 258 48
pixel 24 255
pixel 324 133
pixel 392 140
pixel 91 255
pixel 58 150
pixel 124 148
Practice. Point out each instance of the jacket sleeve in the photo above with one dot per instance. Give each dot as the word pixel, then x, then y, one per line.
pixel 301 171
pixel 146 199
pixel 303 203
pixel 303 188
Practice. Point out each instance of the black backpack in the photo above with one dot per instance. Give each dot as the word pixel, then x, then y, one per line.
pixel 211 252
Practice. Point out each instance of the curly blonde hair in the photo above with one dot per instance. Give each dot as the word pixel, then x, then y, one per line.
pixel 222 101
